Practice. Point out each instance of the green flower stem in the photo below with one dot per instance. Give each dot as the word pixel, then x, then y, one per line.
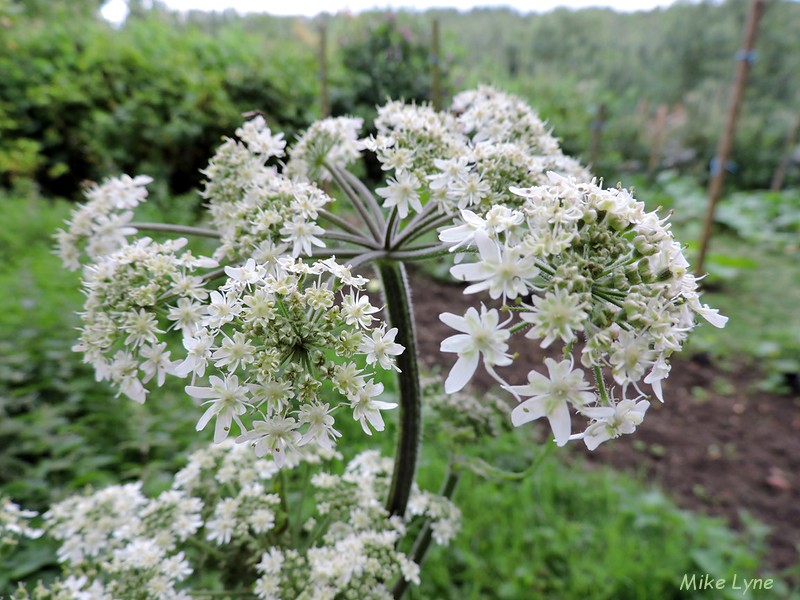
pixel 337 252
pixel 169 228
pixel 207 548
pixel 488 471
pixel 358 240
pixel 397 297
pixel 432 251
pixel 355 200
pixel 390 228
pixel 413 231
pixel 339 222
pixel 611 300
pixel 366 258
pixel 426 211
pixel 521 326
pixel 366 194
pixel 423 541
pixel 215 274
pixel 601 386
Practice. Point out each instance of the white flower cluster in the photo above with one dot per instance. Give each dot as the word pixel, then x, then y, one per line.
pixel 595 265
pixel 275 337
pixel 123 316
pixel 467 158
pixel 14 523
pixel 100 226
pixel 259 212
pixel 118 543
pixel 357 556
pixel 271 218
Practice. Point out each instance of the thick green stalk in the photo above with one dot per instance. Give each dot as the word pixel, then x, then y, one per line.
pixel 397 296
pixel 423 541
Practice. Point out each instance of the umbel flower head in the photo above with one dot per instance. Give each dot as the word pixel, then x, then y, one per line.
pixel 274 337
pixel 118 542
pixel 576 262
pixel 259 212
pixel 101 225
pixel 123 323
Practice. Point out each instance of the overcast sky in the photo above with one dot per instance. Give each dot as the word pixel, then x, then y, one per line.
pixel 115 10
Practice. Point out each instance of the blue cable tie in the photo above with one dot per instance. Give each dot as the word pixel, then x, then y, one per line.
pixel 713 166
pixel 749 56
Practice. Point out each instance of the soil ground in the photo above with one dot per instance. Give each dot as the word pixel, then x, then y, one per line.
pixel 717 445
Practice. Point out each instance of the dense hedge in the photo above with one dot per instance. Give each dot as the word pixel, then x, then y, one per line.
pixel 80 100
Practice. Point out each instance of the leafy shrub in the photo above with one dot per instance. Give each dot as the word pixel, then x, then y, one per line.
pixel 79 100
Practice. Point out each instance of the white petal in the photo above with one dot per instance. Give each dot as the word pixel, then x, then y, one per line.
pixel 210 412
pixel 530 410
pixel 461 373
pixel 201 392
pixel 560 423
pixel 455 321
pixel 456 343
pixel 222 427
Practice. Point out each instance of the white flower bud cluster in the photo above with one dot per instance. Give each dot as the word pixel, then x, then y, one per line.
pixel 489 115
pixel 14 523
pixel 259 212
pixel 333 141
pixel 508 143
pixel 118 543
pixel 273 218
pixel 594 264
pixel 410 138
pixel 123 319
pixel 357 557
pixel 467 158
pixel 462 418
pixel 100 226
pixel 275 337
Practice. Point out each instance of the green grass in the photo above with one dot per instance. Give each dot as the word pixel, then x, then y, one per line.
pixel 571 533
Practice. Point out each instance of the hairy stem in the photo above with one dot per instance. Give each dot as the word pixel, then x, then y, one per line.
pixel 421 253
pixel 397 297
pixel 169 228
pixel 423 541
pixel 415 230
pixel 339 222
pixel 601 386
pixel 353 239
pixel 387 242
pixel 357 202
pixel 366 194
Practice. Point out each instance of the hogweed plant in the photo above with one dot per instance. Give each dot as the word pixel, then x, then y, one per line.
pixel 277 338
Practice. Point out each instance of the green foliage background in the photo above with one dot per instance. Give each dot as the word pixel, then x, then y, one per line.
pixel 80 100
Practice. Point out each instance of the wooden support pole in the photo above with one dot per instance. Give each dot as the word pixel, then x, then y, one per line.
pixel 436 67
pixel 780 171
pixel 658 139
pixel 715 184
pixel 324 100
pixel 598 123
